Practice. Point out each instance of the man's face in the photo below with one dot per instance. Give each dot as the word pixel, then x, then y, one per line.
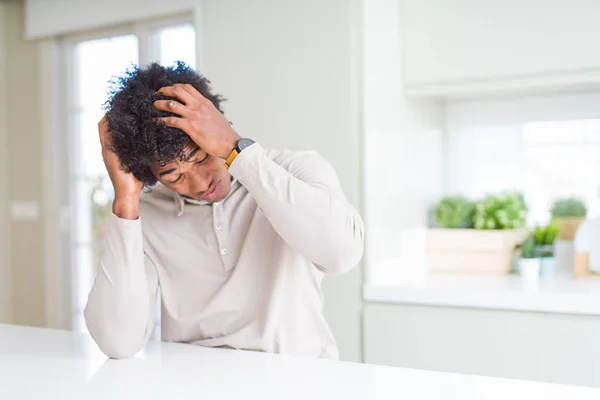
pixel 200 176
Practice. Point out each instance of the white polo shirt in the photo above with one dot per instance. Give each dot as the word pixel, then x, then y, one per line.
pixel 243 273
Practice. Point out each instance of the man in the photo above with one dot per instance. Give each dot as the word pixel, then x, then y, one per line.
pixel 238 238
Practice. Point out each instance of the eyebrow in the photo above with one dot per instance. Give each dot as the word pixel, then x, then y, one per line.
pixel 167 172
pixel 192 154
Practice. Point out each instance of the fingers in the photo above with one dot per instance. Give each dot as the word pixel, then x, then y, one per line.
pixel 185 93
pixel 173 106
pixel 175 122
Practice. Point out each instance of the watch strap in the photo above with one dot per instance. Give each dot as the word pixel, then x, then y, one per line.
pixel 239 147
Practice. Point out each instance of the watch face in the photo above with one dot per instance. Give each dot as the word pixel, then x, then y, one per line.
pixel 243 143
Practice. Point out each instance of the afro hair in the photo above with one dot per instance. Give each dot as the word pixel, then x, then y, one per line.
pixel 138 138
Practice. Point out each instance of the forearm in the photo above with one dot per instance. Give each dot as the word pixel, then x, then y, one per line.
pixel 306 207
pixel 118 312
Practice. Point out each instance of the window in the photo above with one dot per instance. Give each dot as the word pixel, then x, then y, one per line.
pixel 547 147
pixel 92 192
pixel 561 159
pixel 91 187
pixel 176 43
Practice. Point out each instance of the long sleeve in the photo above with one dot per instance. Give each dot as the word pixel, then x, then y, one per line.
pixel 301 196
pixel 120 309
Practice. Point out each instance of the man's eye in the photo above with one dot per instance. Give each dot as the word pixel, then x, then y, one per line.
pixel 177 180
pixel 201 161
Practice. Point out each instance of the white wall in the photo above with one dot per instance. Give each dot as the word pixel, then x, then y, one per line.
pixel 448 41
pixel 403 139
pixel 288 70
pixel 5 293
pixel 486 133
pixel 24 151
pixel 533 346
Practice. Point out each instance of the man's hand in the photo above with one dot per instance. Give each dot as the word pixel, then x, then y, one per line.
pixel 127 187
pixel 199 118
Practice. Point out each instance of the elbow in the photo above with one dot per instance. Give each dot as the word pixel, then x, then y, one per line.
pixel 118 350
pixel 344 256
pixel 341 263
pixel 115 342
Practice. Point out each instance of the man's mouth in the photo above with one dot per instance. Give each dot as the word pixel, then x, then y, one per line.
pixel 211 190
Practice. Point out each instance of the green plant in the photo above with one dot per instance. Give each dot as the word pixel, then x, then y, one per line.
pixel 528 248
pixel 570 207
pixel 454 212
pixel 546 235
pixel 503 211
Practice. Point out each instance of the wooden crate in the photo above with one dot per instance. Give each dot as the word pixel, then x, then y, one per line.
pixel 472 250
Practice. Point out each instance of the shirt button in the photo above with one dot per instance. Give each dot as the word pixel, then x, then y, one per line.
pixel 216 203
pixel 218 227
pixel 223 251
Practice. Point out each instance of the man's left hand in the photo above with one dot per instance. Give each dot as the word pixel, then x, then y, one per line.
pixel 199 118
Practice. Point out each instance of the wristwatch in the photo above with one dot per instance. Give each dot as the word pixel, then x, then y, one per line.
pixel 239 147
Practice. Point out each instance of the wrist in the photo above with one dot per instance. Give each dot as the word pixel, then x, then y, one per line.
pixel 239 147
pixel 228 148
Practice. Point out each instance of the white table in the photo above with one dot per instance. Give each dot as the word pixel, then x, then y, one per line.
pixel 48 364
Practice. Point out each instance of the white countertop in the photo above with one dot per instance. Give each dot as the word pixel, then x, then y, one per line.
pixel 47 364
pixel 559 295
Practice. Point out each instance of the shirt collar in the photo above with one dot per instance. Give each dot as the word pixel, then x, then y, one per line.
pixel 180 200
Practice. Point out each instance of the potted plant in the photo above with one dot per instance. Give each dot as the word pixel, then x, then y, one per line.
pixel 476 237
pixel 529 263
pixel 502 211
pixel 568 213
pixel 454 213
pixel 544 237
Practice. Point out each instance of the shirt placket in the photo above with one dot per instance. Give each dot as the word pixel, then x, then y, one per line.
pixel 219 229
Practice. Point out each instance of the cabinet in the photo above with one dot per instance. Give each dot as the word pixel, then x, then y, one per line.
pixel 474 46
pixel 548 347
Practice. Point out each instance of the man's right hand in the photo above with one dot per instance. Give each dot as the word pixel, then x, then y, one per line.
pixel 127 187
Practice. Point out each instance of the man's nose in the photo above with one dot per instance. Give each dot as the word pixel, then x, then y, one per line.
pixel 200 183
